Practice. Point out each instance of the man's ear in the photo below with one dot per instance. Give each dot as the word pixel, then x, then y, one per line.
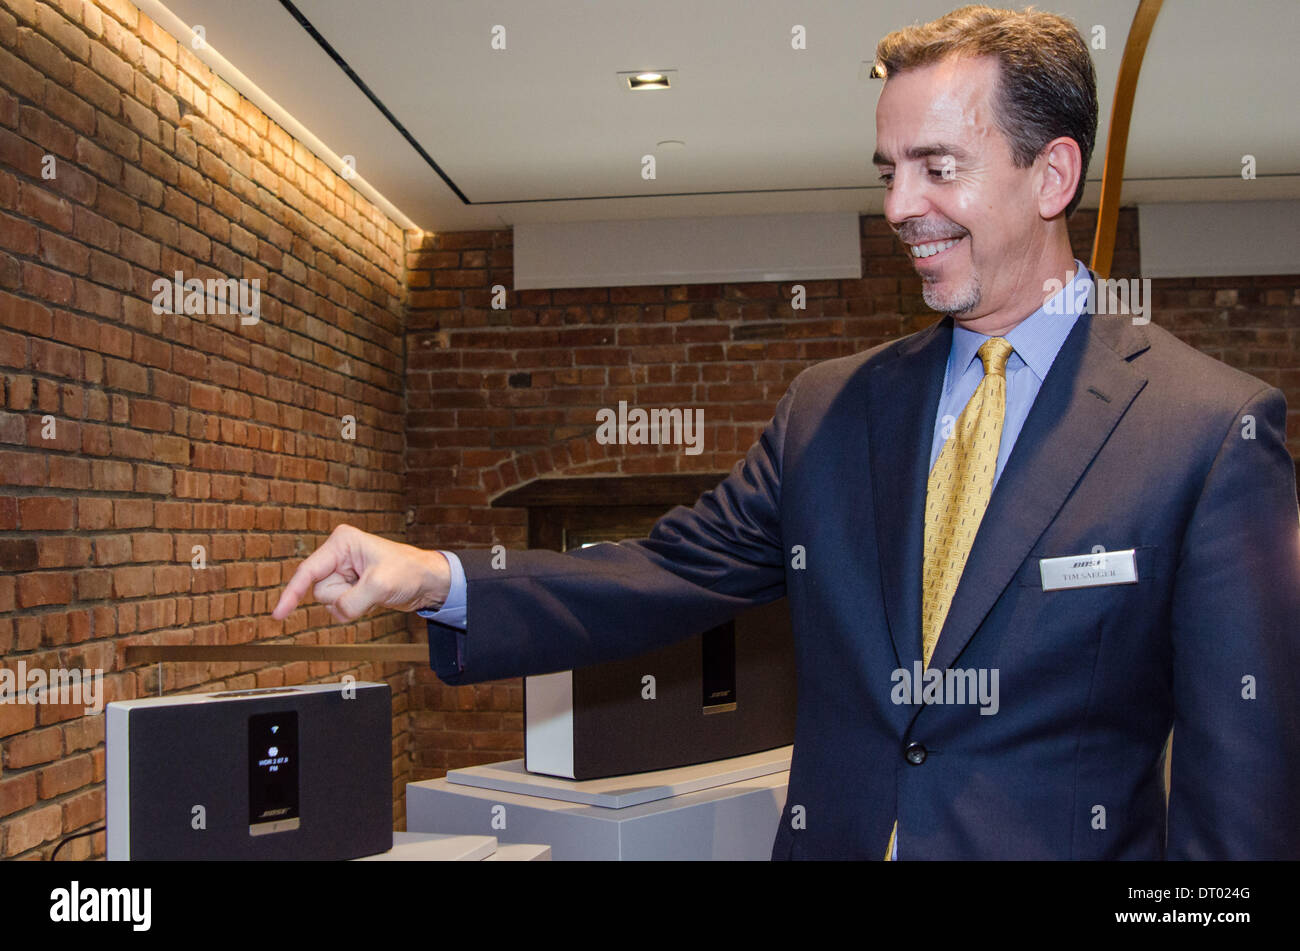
pixel 1060 165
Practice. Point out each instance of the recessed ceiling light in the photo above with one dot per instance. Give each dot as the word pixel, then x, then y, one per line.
pixel 648 81
pixel 643 80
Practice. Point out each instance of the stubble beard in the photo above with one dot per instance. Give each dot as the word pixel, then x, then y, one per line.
pixel 956 303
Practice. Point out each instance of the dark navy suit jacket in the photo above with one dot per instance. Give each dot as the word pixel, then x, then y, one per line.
pixel 1134 441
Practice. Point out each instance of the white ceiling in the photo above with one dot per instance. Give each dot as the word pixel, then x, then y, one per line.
pixel 542 131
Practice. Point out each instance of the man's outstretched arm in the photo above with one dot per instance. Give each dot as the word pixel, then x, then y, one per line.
pixel 538 611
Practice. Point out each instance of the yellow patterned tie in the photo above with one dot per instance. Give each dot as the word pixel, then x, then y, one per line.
pixel 956 496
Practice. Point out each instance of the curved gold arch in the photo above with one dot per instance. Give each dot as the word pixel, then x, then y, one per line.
pixel 1121 112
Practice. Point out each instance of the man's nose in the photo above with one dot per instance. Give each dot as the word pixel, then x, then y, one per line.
pixel 905 199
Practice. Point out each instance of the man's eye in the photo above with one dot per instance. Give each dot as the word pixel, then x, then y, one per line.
pixel 940 173
pixel 886 178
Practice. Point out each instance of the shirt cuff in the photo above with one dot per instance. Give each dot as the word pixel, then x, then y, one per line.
pixel 452 612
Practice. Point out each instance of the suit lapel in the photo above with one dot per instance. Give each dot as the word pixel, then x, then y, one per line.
pixel 903 397
pixel 1088 389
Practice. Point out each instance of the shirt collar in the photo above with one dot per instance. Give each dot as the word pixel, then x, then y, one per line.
pixel 1037 339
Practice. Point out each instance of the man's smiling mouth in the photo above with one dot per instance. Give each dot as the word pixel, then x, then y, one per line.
pixel 932 248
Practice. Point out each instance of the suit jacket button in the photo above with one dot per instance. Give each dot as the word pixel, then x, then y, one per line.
pixel 915 754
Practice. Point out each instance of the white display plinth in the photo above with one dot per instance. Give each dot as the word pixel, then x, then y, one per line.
pixel 432 847
pixel 619 792
pixel 728 821
pixel 518 852
pixel 422 847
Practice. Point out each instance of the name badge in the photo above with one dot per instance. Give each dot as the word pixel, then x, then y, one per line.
pixel 1089 571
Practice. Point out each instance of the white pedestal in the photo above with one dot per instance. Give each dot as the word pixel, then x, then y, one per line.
pixel 432 847
pixel 721 819
pixel 618 792
pixel 519 852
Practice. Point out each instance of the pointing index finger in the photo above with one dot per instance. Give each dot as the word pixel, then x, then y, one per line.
pixel 319 564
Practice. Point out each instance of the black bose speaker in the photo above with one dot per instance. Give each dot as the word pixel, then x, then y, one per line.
pixel 282 773
pixel 724 693
pixel 727 692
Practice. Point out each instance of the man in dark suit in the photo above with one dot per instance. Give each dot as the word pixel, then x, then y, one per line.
pixel 1074 509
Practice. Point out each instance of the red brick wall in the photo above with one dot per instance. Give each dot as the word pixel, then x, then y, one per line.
pixel 172 431
pixel 499 397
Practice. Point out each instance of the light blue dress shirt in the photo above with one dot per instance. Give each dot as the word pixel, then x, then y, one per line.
pixel 1036 341
pixel 452 612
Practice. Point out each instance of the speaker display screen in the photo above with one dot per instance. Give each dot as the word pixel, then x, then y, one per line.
pixel 718 665
pixel 273 772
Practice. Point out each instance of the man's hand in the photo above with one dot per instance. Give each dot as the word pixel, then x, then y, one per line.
pixel 355 571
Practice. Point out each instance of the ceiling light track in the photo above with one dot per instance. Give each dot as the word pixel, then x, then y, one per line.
pixel 333 54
